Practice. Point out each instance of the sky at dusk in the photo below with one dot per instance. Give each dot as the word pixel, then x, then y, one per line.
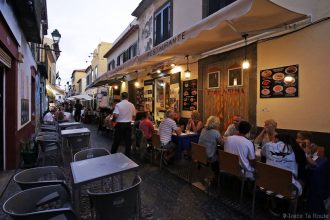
pixel 83 24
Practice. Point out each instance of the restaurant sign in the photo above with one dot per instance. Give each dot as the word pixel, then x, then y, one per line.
pixel 167 44
pixel 281 82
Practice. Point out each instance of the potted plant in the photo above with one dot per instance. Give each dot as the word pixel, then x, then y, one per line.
pixel 29 152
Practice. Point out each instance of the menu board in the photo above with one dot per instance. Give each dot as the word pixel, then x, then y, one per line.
pixel 281 82
pixel 189 95
pixel 140 99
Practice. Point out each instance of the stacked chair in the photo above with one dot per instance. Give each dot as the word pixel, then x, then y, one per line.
pixel 45 195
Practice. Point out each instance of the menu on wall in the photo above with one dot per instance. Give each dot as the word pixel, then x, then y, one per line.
pixel 281 82
pixel 189 95
pixel 140 99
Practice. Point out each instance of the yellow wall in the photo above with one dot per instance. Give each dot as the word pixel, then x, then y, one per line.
pixel 310 49
pixel 98 60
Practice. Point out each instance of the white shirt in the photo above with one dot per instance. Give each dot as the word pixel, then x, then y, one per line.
pixel 242 147
pixel 125 111
pixel 49 117
pixel 166 128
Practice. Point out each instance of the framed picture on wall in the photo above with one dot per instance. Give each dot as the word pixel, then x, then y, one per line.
pixel 235 77
pixel 214 80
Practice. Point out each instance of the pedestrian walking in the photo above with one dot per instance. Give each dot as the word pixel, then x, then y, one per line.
pixel 124 113
pixel 77 112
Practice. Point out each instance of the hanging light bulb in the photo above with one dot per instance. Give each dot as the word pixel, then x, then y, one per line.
pixel 136 84
pixel 187 73
pixel 115 87
pixel 246 63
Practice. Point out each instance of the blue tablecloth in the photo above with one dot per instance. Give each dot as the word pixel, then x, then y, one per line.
pixel 183 143
pixel 318 186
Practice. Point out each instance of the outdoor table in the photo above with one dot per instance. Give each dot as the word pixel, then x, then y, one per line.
pixel 97 168
pixel 183 142
pixel 67 124
pixel 73 132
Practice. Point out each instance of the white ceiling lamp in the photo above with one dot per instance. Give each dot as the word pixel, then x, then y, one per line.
pixel 246 63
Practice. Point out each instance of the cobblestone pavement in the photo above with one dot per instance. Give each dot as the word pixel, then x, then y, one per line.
pixel 166 194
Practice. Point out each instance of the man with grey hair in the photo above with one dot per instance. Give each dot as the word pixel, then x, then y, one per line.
pixel 124 113
pixel 166 128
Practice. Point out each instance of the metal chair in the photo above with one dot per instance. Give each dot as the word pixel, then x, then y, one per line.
pixel 39 176
pixel 78 142
pixel 47 145
pixel 275 182
pixel 47 202
pixel 229 164
pixel 122 204
pixel 90 153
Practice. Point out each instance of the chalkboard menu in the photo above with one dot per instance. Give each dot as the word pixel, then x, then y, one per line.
pixel 281 82
pixel 140 99
pixel 189 95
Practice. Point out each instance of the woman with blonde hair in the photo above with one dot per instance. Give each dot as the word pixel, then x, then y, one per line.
pixel 268 133
pixel 195 123
pixel 210 138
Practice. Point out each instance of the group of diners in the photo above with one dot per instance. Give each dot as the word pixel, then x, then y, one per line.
pixel 277 149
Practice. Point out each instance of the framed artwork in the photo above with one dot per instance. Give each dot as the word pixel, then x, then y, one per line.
pixel 214 80
pixel 235 77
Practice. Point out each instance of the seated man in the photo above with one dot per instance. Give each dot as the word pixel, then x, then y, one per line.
pixel 233 128
pixel 166 128
pixel 238 144
pixel 146 127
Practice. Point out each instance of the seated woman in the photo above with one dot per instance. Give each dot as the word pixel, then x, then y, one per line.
pixel 210 138
pixel 195 123
pixel 285 153
pixel 304 139
pixel 267 134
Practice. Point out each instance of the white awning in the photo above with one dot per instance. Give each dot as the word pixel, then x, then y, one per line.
pixel 219 29
pixel 81 97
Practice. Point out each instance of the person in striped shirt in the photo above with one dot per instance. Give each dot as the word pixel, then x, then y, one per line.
pixel 166 128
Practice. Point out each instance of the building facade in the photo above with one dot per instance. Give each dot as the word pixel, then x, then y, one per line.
pixel 212 41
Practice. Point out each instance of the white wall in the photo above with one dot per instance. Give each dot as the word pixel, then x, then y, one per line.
pixel 310 49
pixel 133 38
pixel 24 80
pixel 186 14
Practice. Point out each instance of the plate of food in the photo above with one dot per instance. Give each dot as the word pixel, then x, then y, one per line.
pixel 186 93
pixel 265 82
pixel 278 76
pixel 290 90
pixel 278 88
pixel 266 73
pixel 265 91
pixel 194 92
pixel 291 69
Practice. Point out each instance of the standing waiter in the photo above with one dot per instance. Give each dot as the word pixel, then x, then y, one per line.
pixel 124 113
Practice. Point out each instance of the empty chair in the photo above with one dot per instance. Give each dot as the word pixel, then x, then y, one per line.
pixel 157 147
pixel 48 145
pixel 40 203
pixel 39 176
pixel 122 204
pixel 90 153
pixel 276 181
pixel 78 142
pixel 198 155
pixel 229 164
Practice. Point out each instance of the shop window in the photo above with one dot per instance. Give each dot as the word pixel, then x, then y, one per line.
pixel 162 24
pixel 212 6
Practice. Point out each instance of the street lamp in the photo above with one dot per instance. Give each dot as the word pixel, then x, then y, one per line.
pixel 56 36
